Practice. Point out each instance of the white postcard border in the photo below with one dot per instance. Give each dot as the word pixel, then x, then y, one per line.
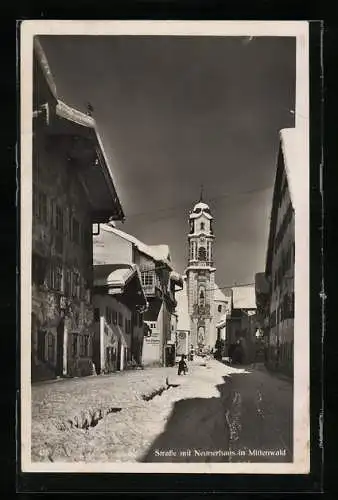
pixel 298 29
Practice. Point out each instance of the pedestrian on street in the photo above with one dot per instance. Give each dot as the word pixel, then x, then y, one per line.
pixel 182 366
pixel 231 352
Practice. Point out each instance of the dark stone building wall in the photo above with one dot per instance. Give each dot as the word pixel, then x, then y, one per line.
pixel 62 314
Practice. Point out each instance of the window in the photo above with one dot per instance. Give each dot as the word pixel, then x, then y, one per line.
pixel 52 212
pixel 59 219
pixel 76 284
pixel 74 344
pixel 202 254
pixel 76 231
pixel 39 269
pixel 41 345
pixel 86 345
pixel 41 206
pixel 50 347
pixel 209 251
pixel 140 320
pixel 126 325
pixel 120 319
pixel 84 342
pixel 219 308
pixel 114 317
pixel 83 285
pixel 96 314
pixel 56 275
pixel 273 319
pixel 202 297
pixel 81 345
pixel 202 226
pixel 191 255
pixel 147 278
pixel 68 283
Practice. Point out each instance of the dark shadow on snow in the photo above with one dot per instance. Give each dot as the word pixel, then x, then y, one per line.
pixel 198 428
pixel 195 426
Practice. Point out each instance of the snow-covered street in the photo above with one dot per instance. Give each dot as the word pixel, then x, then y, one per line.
pixel 156 415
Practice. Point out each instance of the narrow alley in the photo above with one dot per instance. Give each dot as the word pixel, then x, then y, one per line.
pixel 216 413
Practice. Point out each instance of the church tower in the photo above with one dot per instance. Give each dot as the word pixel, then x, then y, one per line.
pixel 200 276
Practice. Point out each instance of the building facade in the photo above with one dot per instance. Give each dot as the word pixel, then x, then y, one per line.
pixel 280 261
pixel 262 292
pixel 159 283
pixel 72 188
pixel 183 340
pixel 119 304
pixel 223 306
pixel 241 324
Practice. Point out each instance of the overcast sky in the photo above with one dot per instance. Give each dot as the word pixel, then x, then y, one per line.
pixel 175 113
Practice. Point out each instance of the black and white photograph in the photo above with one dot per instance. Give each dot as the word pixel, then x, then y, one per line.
pixel 165 246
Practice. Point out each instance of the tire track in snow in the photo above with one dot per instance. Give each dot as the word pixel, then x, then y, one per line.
pixel 233 420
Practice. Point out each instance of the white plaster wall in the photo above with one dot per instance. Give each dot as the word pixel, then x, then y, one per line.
pixel 152 346
pixel 110 248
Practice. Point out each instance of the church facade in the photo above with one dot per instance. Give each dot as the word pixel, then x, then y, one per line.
pixel 200 277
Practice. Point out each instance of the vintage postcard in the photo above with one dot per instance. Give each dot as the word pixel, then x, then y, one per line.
pixel 165 246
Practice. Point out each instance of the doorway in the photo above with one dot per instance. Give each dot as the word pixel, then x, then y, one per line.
pixel 60 348
pixel 118 364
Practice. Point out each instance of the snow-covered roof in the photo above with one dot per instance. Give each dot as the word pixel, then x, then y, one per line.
pixel 74 115
pixel 45 68
pixel 183 318
pixel 199 209
pixel 290 147
pixel 113 274
pixel 108 200
pixel 194 215
pixel 220 296
pixel 159 253
pixel 244 297
pixel 117 276
pixel 177 278
pixel 201 206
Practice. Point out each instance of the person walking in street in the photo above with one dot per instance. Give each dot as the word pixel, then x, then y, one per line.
pixel 182 366
pixel 231 352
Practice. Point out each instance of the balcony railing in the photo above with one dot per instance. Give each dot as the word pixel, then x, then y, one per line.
pixel 202 263
pixel 149 290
